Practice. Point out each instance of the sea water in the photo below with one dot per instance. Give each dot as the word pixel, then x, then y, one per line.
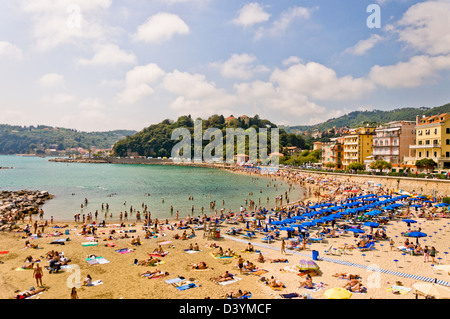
pixel 125 186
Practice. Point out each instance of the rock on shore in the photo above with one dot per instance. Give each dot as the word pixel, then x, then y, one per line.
pixel 15 204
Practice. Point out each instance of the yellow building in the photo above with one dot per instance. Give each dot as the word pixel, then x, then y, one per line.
pixel 358 145
pixel 432 141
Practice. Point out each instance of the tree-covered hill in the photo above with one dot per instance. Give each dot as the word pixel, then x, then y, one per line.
pixel 359 118
pixel 30 139
pixel 156 140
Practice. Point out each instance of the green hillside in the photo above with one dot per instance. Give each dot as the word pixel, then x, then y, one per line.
pixel 155 140
pixel 31 139
pixel 358 118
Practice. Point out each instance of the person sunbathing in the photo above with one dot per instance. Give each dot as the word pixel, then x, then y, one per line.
pixel 248 266
pixel 155 273
pixel 158 250
pixel 238 294
pixel 30 259
pixel 260 258
pixel 275 283
pixel 357 288
pixel 307 283
pixel 346 276
pixel 136 241
pixel 200 265
pixel 225 277
pixel 249 248
pixel 278 260
pixel 29 293
pixel 219 253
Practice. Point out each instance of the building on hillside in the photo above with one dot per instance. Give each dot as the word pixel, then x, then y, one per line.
pixel 432 141
pixel 291 150
pixel 391 141
pixel 229 119
pixel 245 119
pixel 357 145
pixel 317 146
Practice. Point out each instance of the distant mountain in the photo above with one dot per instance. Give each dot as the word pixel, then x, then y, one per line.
pixel 358 118
pixel 29 139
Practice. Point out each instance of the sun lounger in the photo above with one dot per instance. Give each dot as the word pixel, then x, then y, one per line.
pixel 368 246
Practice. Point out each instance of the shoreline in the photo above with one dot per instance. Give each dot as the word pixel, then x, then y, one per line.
pixel 122 279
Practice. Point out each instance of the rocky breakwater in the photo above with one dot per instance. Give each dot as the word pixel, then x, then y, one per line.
pixel 14 205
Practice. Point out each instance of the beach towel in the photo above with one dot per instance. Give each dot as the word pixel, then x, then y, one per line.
pixel 290 296
pixel 97 260
pixel 222 257
pixel 159 255
pixel 97 282
pixel 4 252
pixel 235 279
pixel 111 244
pixel 124 251
pixel 89 243
pixel 259 272
pixel 399 289
pixel 316 287
pixel 174 280
pixel 189 251
pixel 164 242
pixel 189 285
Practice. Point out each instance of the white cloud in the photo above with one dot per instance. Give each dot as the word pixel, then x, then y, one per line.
pixel 197 96
pixel 413 73
pixel 291 60
pixel 92 103
pixel 251 14
pixel 285 19
pixel 60 98
pixel 109 54
pixel 363 46
pixel 240 66
pixel 51 80
pixel 137 83
pixel 9 50
pixel 58 22
pixel 425 27
pixel 160 27
pixel 266 96
pixel 320 82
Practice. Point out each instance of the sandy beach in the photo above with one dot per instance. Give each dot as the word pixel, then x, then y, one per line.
pixel 118 276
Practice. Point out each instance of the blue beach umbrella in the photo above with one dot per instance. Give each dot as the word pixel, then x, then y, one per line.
pixel 287 228
pixel 308 224
pixel 409 221
pixel 371 224
pixel 356 230
pixel 417 235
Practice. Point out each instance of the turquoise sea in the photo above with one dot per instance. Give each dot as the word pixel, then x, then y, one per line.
pixel 124 185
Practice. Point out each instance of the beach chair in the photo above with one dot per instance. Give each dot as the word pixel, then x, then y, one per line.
pixel 248 235
pixel 368 246
pixel 328 251
pixel 268 239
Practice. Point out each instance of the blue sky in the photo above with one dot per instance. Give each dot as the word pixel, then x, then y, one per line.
pixel 107 64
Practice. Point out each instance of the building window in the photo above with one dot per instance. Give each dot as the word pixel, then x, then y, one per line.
pixel 428 153
pixel 435 154
pixel 420 154
pixel 419 133
pixel 447 154
pixel 447 130
pixel 447 141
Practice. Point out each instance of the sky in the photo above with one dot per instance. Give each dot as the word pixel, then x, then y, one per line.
pixel 98 65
